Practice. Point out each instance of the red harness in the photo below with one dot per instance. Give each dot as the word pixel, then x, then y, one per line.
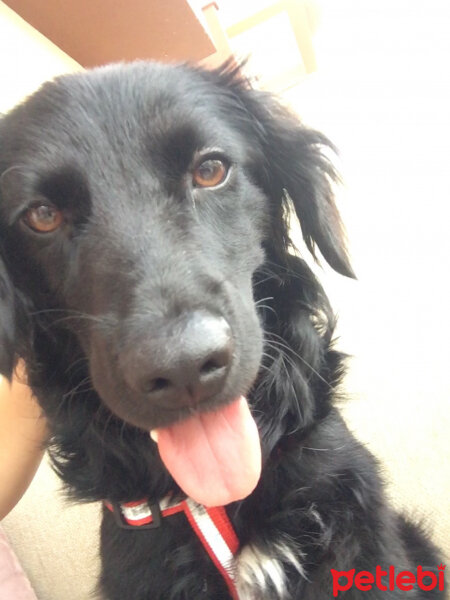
pixel 211 525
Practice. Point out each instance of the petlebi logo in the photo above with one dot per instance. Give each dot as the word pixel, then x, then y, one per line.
pixel 423 578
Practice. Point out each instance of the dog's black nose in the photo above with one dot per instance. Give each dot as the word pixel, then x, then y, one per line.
pixel 185 363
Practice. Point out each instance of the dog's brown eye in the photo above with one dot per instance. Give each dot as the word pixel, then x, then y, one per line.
pixel 210 173
pixel 43 218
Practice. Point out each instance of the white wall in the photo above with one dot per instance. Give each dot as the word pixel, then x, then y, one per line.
pixel 27 59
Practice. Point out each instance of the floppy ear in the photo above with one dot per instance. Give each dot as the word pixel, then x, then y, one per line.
pixel 296 166
pixel 307 176
pixel 300 168
pixel 7 323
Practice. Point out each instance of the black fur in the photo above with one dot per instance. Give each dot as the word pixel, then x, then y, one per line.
pixel 114 150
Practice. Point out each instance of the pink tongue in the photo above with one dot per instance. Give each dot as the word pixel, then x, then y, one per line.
pixel 214 457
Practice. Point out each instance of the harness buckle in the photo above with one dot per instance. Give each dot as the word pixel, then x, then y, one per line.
pixel 155 514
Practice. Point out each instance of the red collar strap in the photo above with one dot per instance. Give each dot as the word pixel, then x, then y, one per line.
pixel 211 525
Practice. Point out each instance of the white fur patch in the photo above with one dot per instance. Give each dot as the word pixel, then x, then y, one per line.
pixel 260 571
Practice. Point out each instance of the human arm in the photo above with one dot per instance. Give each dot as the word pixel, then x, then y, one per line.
pixel 22 434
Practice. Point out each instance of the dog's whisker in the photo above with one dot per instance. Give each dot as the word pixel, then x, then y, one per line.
pixel 79 387
pixel 287 349
pixel 258 302
pixel 78 363
pixel 263 307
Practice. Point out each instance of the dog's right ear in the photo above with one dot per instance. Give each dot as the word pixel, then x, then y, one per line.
pixel 7 323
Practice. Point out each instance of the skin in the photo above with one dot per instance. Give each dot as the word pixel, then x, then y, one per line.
pixel 23 431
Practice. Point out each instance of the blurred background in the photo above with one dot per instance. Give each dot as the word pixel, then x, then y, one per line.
pixel 373 76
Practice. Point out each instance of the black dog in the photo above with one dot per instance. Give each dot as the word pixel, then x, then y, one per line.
pixel 148 283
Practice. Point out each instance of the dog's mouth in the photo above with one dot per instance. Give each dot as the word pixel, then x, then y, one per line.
pixel 212 450
pixel 206 435
pixel 215 457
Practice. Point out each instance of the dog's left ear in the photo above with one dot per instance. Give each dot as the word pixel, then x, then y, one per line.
pixel 297 166
pixel 307 175
pixel 302 170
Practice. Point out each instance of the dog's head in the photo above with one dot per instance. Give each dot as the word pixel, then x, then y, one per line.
pixel 137 203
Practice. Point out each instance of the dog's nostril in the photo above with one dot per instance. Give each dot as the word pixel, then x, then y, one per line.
pixel 209 367
pixel 215 362
pixel 158 385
